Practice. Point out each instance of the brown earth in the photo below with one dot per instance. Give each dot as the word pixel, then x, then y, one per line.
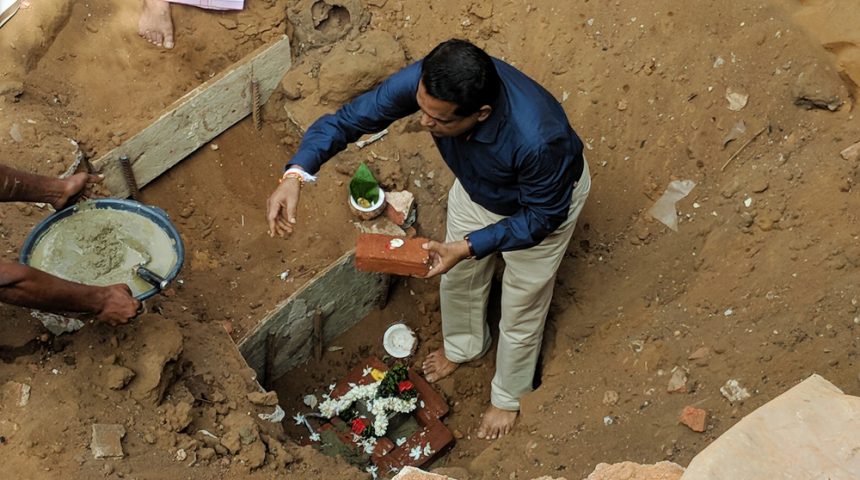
pixel 760 281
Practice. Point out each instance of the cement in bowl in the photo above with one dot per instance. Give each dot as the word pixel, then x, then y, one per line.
pixel 99 242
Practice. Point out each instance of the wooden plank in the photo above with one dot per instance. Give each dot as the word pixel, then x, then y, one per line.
pixel 342 295
pixel 197 117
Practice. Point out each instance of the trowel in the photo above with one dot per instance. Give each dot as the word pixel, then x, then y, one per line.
pixel 151 277
pixel 140 269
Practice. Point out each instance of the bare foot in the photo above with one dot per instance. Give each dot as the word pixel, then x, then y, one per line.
pixel 437 366
pixel 496 423
pixel 155 24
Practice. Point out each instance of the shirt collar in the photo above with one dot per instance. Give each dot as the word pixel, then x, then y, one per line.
pixel 488 130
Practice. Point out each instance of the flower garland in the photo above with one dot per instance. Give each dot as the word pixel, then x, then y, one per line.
pixel 389 394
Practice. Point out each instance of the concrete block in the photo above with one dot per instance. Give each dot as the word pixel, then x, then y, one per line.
pixel 394 255
pixel 107 440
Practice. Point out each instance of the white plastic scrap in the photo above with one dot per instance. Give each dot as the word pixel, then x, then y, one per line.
pixel 274 417
pixel 663 209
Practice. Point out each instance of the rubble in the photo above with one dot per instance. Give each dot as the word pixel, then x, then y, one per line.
pixel 695 418
pixel 635 471
pixel 107 440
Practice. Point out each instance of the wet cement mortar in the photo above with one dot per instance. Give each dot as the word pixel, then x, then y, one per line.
pixel 97 246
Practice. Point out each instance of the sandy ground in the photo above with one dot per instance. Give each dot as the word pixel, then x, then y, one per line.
pixel 762 272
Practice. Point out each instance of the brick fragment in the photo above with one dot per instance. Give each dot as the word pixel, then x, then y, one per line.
pixel 376 253
pixel 398 206
pixel 695 418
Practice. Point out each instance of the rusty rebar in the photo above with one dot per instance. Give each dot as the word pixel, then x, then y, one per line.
pixel 256 106
pixel 128 174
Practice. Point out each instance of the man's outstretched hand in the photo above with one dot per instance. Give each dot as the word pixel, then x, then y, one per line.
pixel 281 207
pixel 444 256
pixel 74 188
pixel 117 305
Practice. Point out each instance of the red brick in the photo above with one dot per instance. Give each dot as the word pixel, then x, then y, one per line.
pixel 695 418
pixel 373 253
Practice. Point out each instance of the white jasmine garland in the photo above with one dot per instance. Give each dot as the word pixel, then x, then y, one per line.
pixel 380 408
pixel 332 407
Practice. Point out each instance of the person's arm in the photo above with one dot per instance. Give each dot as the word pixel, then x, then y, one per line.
pixel 545 195
pixel 370 112
pixel 18 186
pixel 27 287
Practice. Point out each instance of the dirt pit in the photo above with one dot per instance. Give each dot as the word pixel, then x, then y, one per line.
pixel 759 284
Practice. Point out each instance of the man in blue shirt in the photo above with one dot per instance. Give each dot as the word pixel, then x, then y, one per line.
pixel 521 183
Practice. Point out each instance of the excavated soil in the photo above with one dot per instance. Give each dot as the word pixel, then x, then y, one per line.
pixel 759 283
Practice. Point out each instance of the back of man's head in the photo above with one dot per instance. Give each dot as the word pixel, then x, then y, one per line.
pixel 457 71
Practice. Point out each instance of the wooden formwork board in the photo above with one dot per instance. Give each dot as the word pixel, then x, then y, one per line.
pixel 197 117
pixel 340 295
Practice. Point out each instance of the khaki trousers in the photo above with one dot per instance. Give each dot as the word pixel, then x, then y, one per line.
pixel 527 288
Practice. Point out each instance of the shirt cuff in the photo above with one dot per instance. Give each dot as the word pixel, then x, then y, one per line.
pixel 306 177
pixel 483 243
pixel 306 162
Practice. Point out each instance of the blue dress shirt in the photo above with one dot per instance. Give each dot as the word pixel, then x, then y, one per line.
pixel 522 162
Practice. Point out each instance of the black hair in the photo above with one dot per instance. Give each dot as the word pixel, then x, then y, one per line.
pixel 459 72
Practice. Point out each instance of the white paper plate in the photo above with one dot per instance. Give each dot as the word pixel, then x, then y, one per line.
pixel 399 341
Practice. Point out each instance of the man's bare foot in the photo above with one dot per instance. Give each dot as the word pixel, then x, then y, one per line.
pixel 437 366
pixel 155 24
pixel 496 423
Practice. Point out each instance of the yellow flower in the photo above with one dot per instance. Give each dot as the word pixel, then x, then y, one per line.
pixel 377 374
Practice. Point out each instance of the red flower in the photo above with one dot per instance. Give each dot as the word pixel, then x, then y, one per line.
pixel 358 426
pixel 405 386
